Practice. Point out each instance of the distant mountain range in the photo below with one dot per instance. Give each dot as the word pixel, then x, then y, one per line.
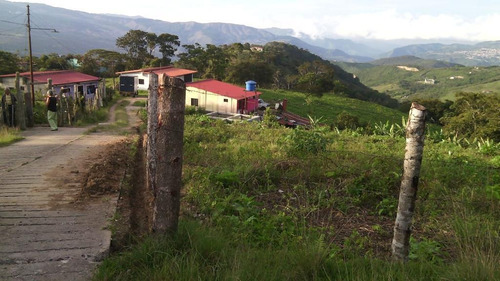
pixel 481 54
pixel 79 32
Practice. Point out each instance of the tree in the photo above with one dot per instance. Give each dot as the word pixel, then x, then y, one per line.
pixel 315 78
pixel 243 71
pixel 53 61
pixel 192 58
pixel 9 63
pixel 168 44
pixel 210 62
pixel 136 43
pixel 100 62
pixel 474 116
pixel 141 47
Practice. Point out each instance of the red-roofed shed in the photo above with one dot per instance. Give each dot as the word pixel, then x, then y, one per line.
pixel 214 95
pixel 72 80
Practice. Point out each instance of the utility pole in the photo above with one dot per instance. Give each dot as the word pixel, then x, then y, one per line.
pixel 31 60
pixel 32 84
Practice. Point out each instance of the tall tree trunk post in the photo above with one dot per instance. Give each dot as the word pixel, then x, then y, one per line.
pixel 415 134
pixel 170 138
pixel 20 106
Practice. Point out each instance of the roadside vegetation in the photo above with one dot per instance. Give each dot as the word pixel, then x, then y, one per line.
pixel 9 135
pixel 263 202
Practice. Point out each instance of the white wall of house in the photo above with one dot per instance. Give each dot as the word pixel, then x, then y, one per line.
pixel 143 79
pixel 210 101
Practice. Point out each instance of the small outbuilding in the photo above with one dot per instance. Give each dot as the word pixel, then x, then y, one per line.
pixel 217 96
pixel 71 81
pixel 133 80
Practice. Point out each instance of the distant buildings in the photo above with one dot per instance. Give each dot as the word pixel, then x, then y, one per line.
pixel 72 81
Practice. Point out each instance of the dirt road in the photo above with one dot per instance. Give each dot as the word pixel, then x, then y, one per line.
pixel 46 232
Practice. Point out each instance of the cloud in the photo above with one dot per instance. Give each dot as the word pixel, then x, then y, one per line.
pixel 390 25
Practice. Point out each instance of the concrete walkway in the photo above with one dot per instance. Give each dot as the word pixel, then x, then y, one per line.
pixel 44 234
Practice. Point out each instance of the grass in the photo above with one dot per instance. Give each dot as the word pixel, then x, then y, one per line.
pixel 9 136
pixel 267 203
pixel 121 122
pixel 329 106
pixel 200 253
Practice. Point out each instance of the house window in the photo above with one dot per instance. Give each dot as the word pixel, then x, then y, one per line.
pixel 194 102
pixel 226 100
pixel 141 81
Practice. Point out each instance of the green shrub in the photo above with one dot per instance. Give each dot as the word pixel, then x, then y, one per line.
pixel 301 141
pixel 347 121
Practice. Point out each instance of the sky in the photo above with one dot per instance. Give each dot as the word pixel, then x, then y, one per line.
pixel 458 20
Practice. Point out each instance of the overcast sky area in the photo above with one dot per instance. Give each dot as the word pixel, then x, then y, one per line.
pixel 351 19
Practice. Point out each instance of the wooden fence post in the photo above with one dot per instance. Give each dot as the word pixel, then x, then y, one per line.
pixel 30 121
pixel 20 106
pixel 151 154
pixel 170 138
pixel 415 134
pixel 166 152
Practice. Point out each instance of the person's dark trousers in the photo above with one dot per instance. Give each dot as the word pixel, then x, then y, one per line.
pixel 9 117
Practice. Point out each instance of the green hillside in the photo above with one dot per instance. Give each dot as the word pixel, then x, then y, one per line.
pixel 404 82
pixel 329 106
pixel 263 202
pixel 413 62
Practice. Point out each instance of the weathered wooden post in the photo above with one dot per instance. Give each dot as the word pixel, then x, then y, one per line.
pixel 30 121
pixel 20 106
pixel 415 134
pixel 167 136
pixel 151 154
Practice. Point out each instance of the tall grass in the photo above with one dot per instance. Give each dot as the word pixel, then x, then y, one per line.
pixel 271 203
pixel 200 253
pixel 329 106
pixel 9 135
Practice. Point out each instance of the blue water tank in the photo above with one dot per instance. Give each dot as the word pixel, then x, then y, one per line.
pixel 250 86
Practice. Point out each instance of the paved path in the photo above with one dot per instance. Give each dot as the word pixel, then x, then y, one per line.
pixel 44 234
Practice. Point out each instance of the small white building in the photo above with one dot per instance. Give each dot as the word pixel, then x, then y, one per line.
pixel 217 96
pixel 429 81
pixel 138 79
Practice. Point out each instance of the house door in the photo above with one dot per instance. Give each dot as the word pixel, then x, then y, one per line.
pixel 241 106
pixel 225 106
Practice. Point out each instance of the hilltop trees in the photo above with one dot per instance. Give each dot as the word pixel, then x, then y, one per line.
pixel 474 116
pixel 8 62
pixel 141 46
pixel 101 62
pixel 210 62
pixel 315 78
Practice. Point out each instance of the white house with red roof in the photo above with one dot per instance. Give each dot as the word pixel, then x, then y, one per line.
pixel 138 79
pixel 71 80
pixel 217 96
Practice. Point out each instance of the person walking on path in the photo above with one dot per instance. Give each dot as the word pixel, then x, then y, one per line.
pixel 9 108
pixel 51 102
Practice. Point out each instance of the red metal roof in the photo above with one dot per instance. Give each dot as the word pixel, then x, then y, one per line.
pixel 168 70
pixel 175 72
pixel 223 89
pixel 149 69
pixel 59 77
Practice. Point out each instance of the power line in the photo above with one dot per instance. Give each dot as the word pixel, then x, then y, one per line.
pixel 11 22
pixel 11 35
